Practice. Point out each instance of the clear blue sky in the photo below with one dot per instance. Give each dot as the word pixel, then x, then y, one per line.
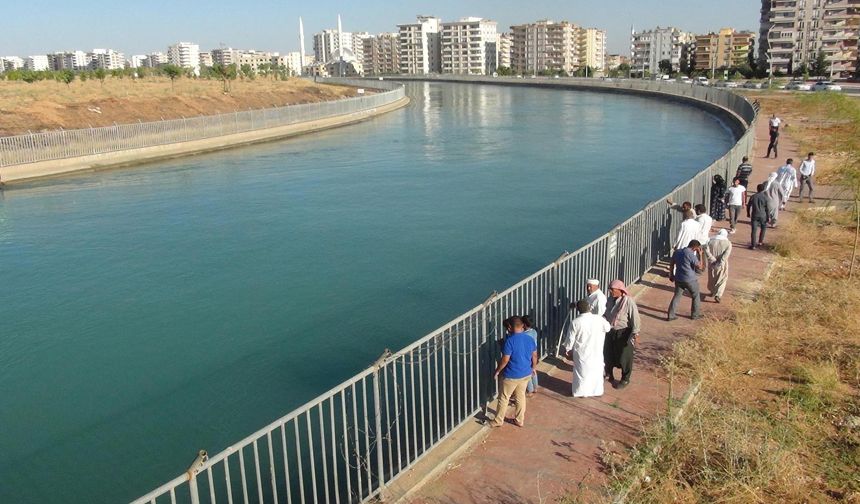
pixel 40 26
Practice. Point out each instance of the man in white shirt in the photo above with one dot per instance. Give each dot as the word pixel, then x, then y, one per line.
pixel 787 178
pixel 774 122
pixel 736 198
pixel 807 171
pixel 705 223
pixel 596 297
pixel 690 230
pixel 584 344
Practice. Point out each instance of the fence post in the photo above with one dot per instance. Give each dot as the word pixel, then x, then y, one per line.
pixel 92 140
pixel 185 127
pixel 377 418
pixel 192 472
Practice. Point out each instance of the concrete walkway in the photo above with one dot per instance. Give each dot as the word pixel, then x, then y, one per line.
pixel 561 443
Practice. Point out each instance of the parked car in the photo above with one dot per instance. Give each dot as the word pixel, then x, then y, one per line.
pixel 753 85
pixel 797 85
pixel 702 80
pixel 826 86
pixel 732 85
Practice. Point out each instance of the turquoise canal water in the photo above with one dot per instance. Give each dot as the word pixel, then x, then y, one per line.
pixel 147 313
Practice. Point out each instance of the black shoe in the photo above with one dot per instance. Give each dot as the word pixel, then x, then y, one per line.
pixel 620 385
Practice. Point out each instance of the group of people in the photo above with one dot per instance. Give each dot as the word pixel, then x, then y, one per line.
pixel 601 338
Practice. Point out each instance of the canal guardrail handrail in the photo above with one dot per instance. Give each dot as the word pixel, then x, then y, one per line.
pixel 348 444
pixel 64 144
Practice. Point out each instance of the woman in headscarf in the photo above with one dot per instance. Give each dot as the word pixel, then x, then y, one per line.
pixel 718 198
pixel 775 197
pixel 717 252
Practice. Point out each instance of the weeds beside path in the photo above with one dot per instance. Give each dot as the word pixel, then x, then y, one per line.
pixel 777 418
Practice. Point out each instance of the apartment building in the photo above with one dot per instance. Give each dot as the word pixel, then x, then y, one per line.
pixel 224 56
pixel 155 60
pixel 293 62
pixel 591 47
pixel 381 54
pixel 358 39
pixel 793 32
pixel 470 46
pixel 185 55
pixel 614 61
pixel 254 59
pixel 10 63
pixel 544 46
pixel 106 59
pixel 648 48
pixel 725 49
pixel 505 41
pixel 328 43
pixel 420 46
pixel 36 63
pixel 206 60
pixel 137 61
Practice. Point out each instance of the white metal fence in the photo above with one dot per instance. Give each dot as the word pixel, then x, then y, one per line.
pixel 346 445
pixel 61 144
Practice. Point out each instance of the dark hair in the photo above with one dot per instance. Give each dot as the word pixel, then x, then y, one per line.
pixel 736 178
pixel 760 187
pixel 810 154
pixel 700 209
pixel 515 321
pixel 789 161
pixel 583 306
pixel 694 244
pixel 526 321
pixel 687 204
pixel 508 324
pixel 746 158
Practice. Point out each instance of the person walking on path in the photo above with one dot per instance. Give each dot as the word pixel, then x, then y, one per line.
pixel 519 359
pixel 684 270
pixel 718 198
pixel 619 348
pixel 705 223
pixel 774 123
pixel 787 176
pixel 691 229
pixel 584 346
pixel 774 144
pixel 736 198
pixel 596 297
pixel 717 253
pixel 807 171
pixel 745 169
pixel 530 330
pixel 758 210
pixel 775 197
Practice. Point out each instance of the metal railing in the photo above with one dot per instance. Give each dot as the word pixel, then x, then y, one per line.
pixel 62 144
pixel 348 444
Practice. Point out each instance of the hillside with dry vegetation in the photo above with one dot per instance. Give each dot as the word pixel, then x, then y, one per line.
pixel 50 105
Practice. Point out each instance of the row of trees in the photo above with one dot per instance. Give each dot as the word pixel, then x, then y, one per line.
pixel 580 72
pixel 225 74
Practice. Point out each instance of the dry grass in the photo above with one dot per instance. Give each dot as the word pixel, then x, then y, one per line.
pixel 777 418
pixel 48 105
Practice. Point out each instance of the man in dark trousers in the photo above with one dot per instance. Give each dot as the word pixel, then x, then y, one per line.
pixel 758 210
pixel 684 271
pixel 744 171
pixel 620 343
pixel 774 143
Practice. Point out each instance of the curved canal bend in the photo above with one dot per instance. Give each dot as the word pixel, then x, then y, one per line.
pixel 151 312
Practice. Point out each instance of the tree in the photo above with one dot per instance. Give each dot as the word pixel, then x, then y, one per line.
pixel 820 67
pixel 624 69
pixel 665 67
pixel 67 76
pixel 802 70
pixel 225 74
pixel 100 74
pixel 248 71
pixel 504 71
pixel 172 72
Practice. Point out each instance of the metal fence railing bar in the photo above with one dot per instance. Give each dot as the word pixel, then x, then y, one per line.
pixel 63 144
pixel 349 443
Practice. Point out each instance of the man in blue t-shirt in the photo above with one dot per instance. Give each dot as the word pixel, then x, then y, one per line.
pixel 684 270
pixel 519 359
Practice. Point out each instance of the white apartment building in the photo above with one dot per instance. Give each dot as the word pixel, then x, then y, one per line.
pixel 420 46
pixel 185 55
pixel 254 59
pixel 470 46
pixel 137 60
pixel 793 32
pixel 106 59
pixel 75 60
pixel 544 46
pixel 155 60
pixel 328 43
pixel 648 48
pixel 10 63
pixel 36 63
pixel 206 59
pixel 358 39
pixel 591 45
pixel 505 43
pixel 293 62
pixel 381 54
pixel 224 56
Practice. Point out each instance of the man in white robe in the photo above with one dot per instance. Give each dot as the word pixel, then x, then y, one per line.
pixel 596 297
pixel 787 178
pixel 584 346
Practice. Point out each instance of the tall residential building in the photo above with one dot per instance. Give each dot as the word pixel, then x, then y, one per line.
pixel 591 46
pixel 420 46
pixel 328 43
pixel 36 63
pixel 10 63
pixel 544 46
pixel 358 44
pixel 470 46
pixel 254 59
pixel 505 41
pixel 725 49
pixel 648 48
pixel 206 60
pixel 106 59
pixel 614 61
pixel 185 55
pixel 155 60
pixel 793 32
pixel 138 60
pixel 224 56
pixel 381 54
pixel 293 62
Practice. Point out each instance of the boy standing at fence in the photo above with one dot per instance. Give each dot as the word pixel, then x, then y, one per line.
pixel 519 360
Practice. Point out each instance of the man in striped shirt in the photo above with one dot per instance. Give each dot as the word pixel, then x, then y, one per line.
pixel 744 171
